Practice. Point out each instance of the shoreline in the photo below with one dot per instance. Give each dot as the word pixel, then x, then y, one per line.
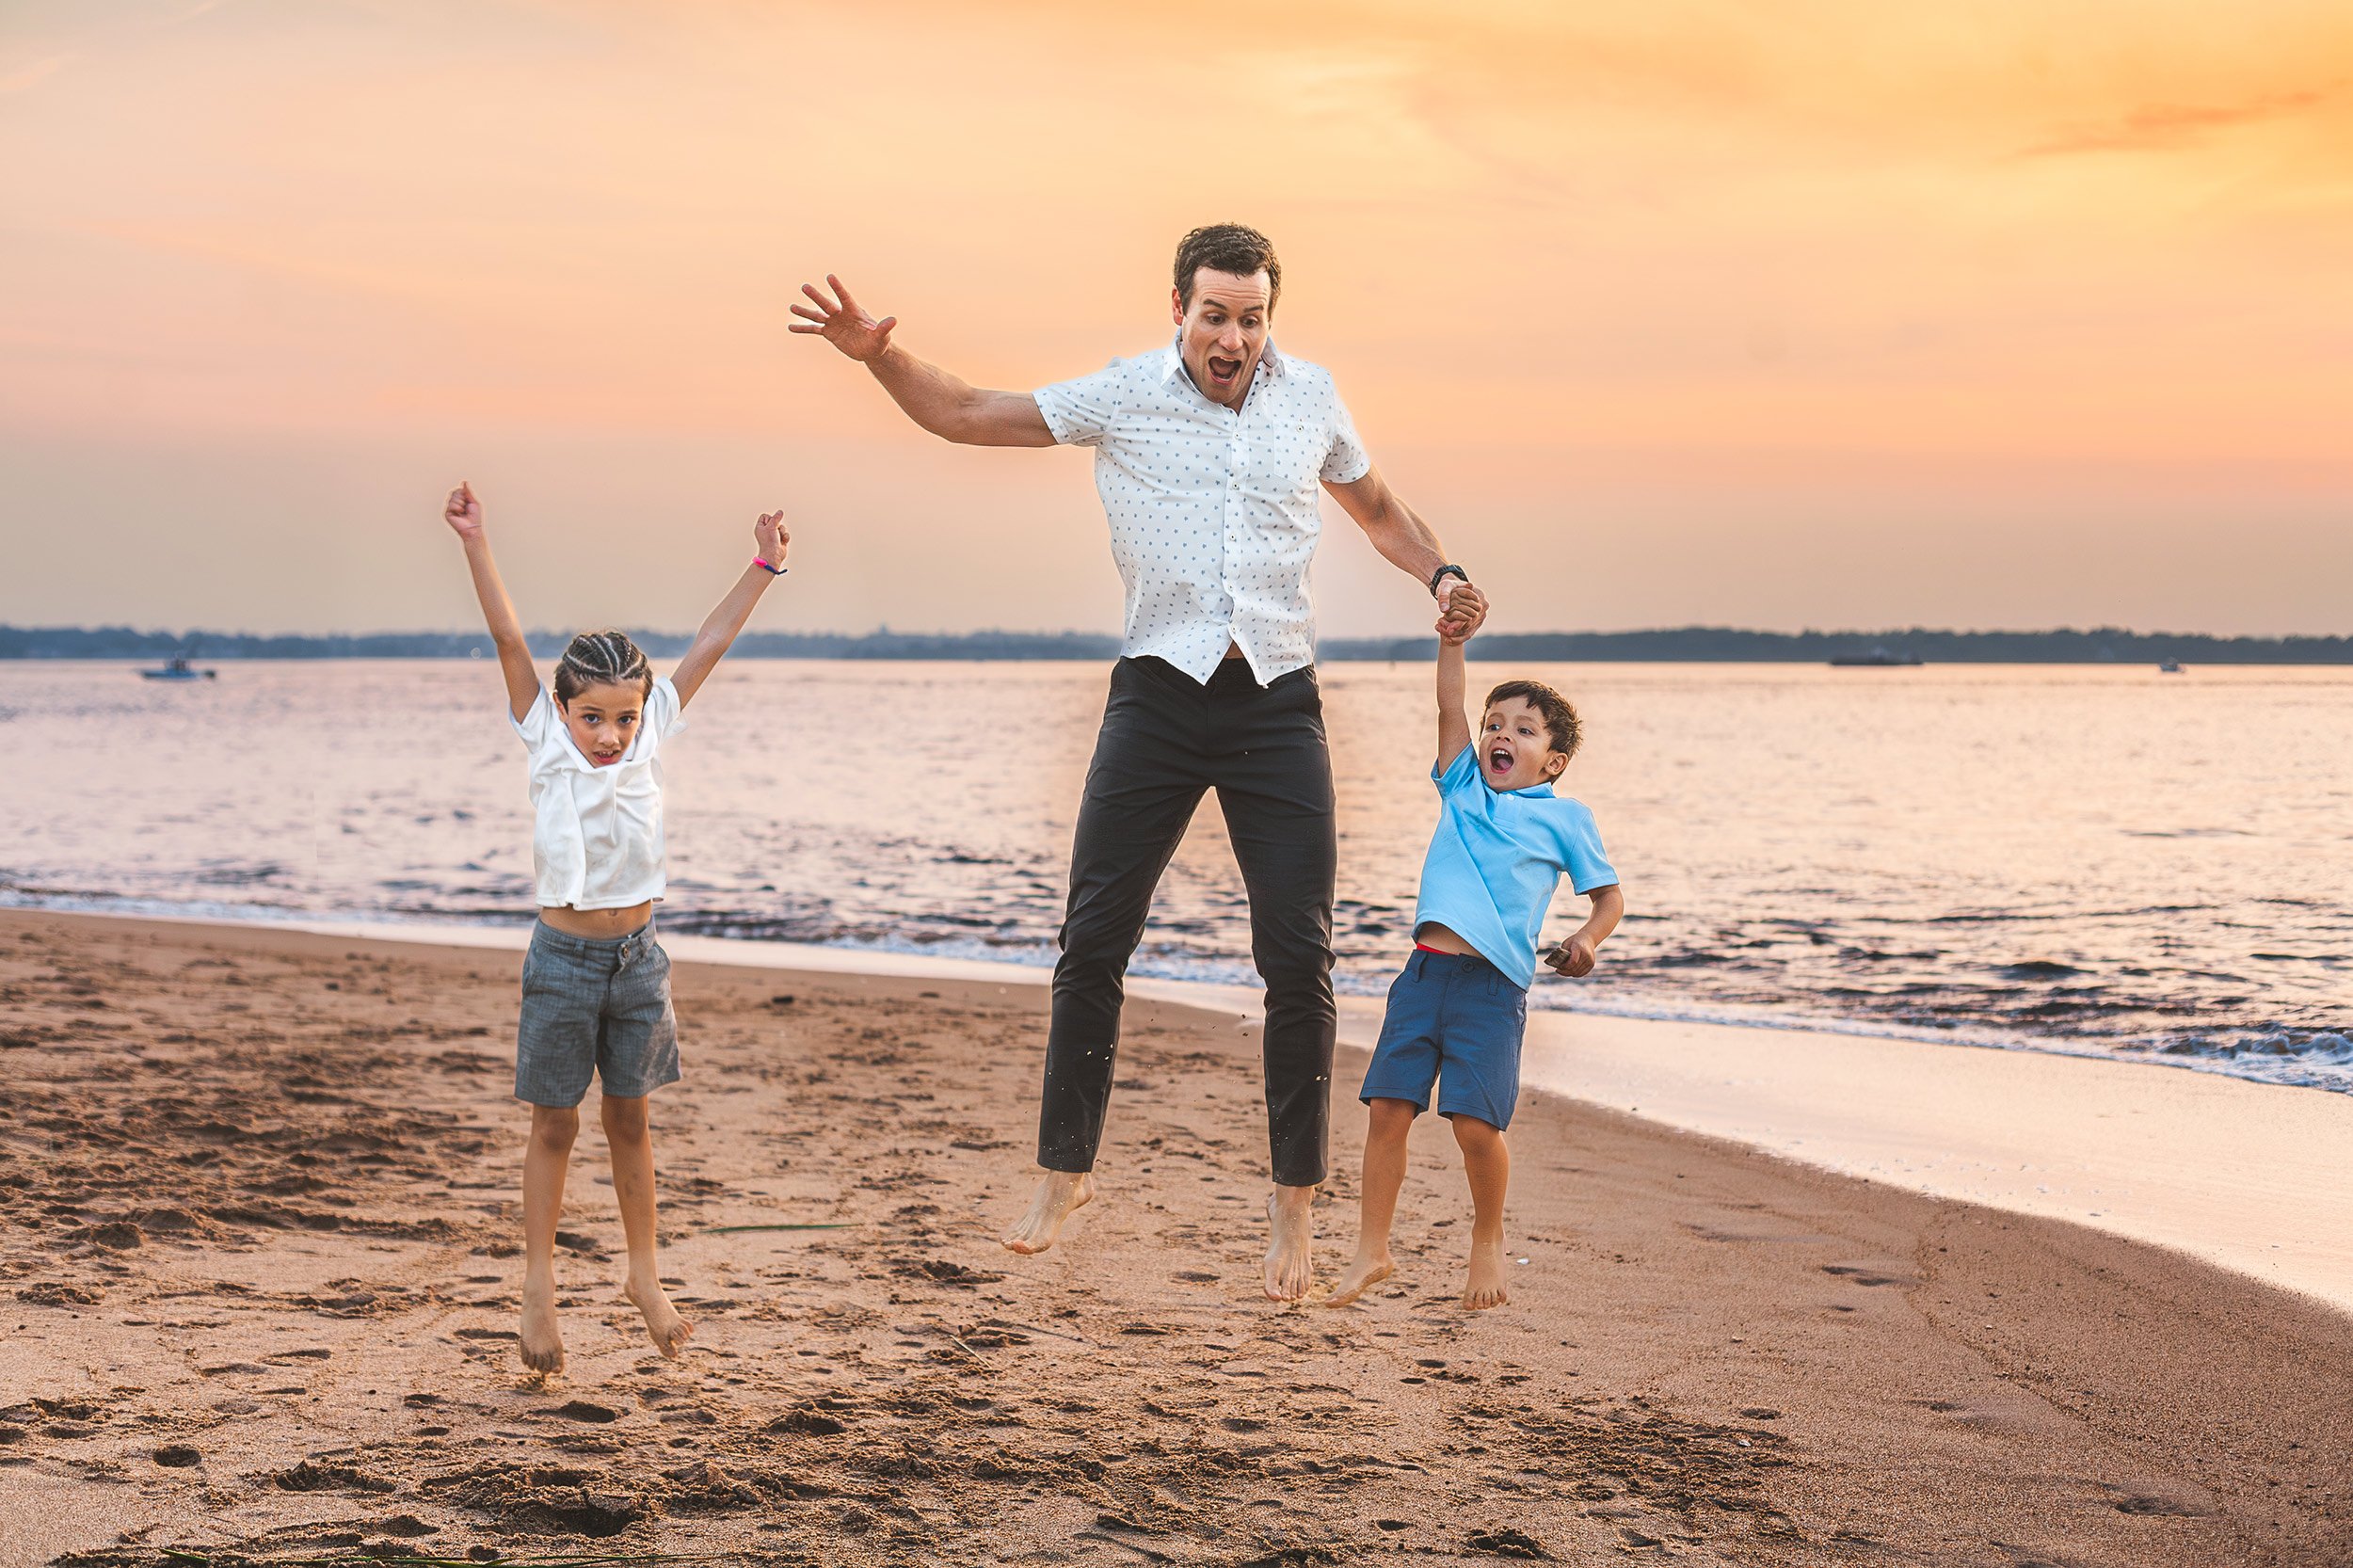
pixel 2243 1175
pixel 926 957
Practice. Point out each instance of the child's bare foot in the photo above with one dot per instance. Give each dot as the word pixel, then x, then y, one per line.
pixel 542 1341
pixel 1362 1275
pixel 1061 1194
pixel 664 1326
pixel 1290 1264
pixel 1486 1288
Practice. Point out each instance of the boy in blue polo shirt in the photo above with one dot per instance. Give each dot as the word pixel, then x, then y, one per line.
pixel 1456 1014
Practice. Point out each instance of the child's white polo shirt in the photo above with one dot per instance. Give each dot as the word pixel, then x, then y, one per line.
pixel 596 841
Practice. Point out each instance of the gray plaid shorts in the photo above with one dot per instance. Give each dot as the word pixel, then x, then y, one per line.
pixel 594 1006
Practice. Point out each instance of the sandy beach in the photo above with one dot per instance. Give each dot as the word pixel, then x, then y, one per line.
pixel 260 1265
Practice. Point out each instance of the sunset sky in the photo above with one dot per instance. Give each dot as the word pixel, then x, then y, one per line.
pixel 1828 312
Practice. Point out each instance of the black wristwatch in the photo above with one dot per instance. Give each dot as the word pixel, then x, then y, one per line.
pixel 1442 571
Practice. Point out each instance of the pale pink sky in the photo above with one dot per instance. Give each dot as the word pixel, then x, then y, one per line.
pixel 1833 313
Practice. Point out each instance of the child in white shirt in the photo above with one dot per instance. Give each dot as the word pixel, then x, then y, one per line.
pixel 596 983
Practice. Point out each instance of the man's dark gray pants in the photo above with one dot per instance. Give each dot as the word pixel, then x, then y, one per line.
pixel 1166 740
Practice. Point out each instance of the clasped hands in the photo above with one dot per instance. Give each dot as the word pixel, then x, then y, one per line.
pixel 1461 612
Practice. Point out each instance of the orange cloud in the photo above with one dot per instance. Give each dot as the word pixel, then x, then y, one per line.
pixel 2168 127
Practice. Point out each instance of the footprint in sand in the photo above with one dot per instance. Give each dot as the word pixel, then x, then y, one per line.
pixel 583 1410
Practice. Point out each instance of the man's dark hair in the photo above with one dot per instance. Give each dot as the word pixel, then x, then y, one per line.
pixel 1561 720
pixel 1228 248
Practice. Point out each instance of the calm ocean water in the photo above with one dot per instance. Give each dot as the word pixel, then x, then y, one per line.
pixel 2097 860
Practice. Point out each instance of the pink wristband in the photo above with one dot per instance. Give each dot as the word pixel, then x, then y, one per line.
pixel 761 562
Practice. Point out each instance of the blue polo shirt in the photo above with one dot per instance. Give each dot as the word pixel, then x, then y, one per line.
pixel 1497 859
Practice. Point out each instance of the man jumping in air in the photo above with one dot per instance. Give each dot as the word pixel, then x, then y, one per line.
pixel 1207 454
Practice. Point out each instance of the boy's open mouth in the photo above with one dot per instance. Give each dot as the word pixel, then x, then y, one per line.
pixel 1499 760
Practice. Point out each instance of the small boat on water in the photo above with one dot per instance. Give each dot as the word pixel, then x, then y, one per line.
pixel 178 668
pixel 1879 658
pixel 2168 666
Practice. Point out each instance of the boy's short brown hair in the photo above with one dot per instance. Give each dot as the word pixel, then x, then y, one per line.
pixel 1561 720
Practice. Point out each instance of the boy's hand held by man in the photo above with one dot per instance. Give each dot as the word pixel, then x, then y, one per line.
pixel 1461 609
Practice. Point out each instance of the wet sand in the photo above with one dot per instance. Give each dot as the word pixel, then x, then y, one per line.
pixel 258 1267
pixel 2253 1176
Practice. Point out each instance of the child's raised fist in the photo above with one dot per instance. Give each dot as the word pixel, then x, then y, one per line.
pixel 772 536
pixel 463 513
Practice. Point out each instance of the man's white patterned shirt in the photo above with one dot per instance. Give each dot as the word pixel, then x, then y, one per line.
pixel 1212 510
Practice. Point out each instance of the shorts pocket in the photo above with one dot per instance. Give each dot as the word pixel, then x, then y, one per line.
pixel 535 969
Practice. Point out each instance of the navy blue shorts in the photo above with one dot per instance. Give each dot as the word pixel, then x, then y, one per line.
pixel 1455 1022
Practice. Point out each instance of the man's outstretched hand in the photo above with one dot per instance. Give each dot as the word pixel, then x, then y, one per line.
pixel 1461 610
pixel 842 321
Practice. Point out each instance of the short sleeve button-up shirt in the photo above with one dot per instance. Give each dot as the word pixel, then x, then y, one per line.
pixel 595 840
pixel 1212 510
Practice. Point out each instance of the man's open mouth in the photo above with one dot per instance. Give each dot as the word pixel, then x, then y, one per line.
pixel 1224 370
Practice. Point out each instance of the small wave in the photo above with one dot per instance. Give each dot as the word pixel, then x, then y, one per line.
pixel 2278 1049
pixel 239 877
pixel 2038 917
pixel 2039 969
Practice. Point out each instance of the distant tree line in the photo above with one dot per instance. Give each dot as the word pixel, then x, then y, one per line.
pixel 1727 644
pixel 121 642
pixel 2105 645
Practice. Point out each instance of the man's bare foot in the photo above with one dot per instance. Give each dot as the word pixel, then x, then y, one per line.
pixel 1290 1262
pixel 664 1326
pixel 1362 1275
pixel 1486 1288
pixel 1061 1194
pixel 542 1341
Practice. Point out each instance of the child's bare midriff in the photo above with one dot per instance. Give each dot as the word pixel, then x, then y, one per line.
pixel 598 925
pixel 1430 934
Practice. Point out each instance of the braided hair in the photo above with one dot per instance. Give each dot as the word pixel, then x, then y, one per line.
pixel 599 659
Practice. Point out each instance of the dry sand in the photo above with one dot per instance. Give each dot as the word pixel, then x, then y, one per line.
pixel 258 1271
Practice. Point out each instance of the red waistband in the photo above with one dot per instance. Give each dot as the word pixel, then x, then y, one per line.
pixel 1425 946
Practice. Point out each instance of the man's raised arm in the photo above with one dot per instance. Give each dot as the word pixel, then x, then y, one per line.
pixel 947 406
pixel 1409 544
